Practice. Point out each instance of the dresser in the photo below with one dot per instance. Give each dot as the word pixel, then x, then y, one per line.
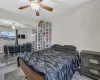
pixel 90 64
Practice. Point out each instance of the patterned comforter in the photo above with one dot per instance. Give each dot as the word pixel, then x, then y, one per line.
pixel 54 65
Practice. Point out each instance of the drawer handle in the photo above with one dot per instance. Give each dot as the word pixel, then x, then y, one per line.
pixel 94 71
pixel 94 61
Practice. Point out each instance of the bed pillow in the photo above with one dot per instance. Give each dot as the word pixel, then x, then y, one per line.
pixel 69 47
pixel 56 47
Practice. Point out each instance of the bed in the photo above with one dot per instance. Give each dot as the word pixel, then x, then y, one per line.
pixel 49 64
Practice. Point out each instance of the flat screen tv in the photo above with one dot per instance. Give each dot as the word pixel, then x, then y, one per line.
pixel 22 36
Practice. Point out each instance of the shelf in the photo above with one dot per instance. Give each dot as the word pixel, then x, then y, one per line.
pixel 43 36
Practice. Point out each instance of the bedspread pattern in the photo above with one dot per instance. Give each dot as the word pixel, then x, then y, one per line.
pixel 55 65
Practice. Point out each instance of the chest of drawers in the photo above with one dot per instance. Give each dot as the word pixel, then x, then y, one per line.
pixel 90 64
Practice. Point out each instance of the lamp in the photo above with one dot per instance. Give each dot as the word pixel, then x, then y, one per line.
pixel 35 6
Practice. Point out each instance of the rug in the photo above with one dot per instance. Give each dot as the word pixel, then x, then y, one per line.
pixel 15 75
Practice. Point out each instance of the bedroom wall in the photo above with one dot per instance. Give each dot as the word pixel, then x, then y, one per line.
pixel 79 26
pixel 4 14
pixel 25 31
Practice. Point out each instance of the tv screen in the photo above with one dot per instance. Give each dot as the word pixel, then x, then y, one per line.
pixel 22 36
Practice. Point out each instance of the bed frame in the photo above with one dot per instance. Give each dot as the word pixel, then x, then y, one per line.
pixel 30 74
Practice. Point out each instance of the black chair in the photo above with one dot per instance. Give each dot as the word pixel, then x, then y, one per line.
pixel 11 50
pixel 22 48
pixel 15 49
pixel 18 49
pixel 29 47
pixel 6 50
pixel 25 47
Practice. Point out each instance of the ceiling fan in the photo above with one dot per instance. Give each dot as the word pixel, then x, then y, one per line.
pixel 35 5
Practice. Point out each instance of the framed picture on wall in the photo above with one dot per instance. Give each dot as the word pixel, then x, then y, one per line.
pixel 22 36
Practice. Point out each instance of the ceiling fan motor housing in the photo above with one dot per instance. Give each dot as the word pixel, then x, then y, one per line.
pixel 36 1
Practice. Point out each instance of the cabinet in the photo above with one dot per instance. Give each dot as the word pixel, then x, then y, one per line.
pixel 90 64
pixel 42 36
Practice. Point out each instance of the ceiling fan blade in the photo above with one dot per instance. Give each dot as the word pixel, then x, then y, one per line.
pixel 46 7
pixel 23 7
pixel 37 13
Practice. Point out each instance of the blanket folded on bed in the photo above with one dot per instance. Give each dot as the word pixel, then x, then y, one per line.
pixel 54 65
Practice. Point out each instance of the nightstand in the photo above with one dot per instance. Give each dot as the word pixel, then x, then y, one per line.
pixel 90 64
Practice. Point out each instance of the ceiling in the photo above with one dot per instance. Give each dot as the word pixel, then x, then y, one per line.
pixel 59 6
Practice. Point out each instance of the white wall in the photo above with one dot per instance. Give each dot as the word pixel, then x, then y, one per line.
pixel 15 17
pixel 21 19
pixel 25 31
pixel 79 26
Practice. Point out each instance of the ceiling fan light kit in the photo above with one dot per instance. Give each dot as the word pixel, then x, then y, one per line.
pixel 35 5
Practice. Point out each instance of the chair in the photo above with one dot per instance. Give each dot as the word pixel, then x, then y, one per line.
pixel 11 50
pixel 6 50
pixel 22 48
pixel 29 47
